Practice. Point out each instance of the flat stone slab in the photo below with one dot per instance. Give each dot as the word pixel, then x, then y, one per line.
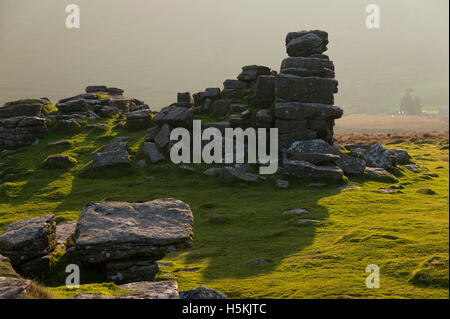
pixel 28 238
pixel 14 288
pixel 120 230
pixel 143 290
pixel 297 211
pixel 154 290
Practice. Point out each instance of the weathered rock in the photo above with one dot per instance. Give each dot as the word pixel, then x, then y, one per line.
pixel 220 108
pixel 107 111
pixel 300 111
pixel 282 183
pixel 232 94
pixel 29 238
pixel 305 170
pixel 347 163
pixel 132 270
pixel 202 293
pixel 35 267
pixel 251 73
pixel 414 168
pixel 238 108
pixel 73 106
pixel 113 154
pixel 116 230
pixel 96 88
pixel 163 136
pixel 377 156
pixel 264 119
pixel 305 89
pixel 264 93
pixel 138 120
pixel 114 91
pixel 211 93
pixel 60 143
pixel 120 102
pixel 14 288
pixel 15 110
pixel 315 158
pixel 401 157
pixel 154 290
pixel 380 174
pixel 307 67
pixel 152 152
pixel 234 84
pixel 142 290
pixel 231 173
pixel 185 99
pixel 351 165
pixel 58 162
pixel 21 131
pixel 151 134
pixel 297 211
pixel 64 234
pixel 83 96
pixel 214 172
pixel 323 35
pixel 306 43
pixel 175 116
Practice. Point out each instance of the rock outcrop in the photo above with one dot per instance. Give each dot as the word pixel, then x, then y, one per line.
pixel 127 239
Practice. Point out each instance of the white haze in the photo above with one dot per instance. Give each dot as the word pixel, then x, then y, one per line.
pixel 156 48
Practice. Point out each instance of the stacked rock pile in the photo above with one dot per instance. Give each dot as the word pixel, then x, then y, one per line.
pixel 23 121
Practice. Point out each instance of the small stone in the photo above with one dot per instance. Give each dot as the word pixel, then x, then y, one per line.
pixel 297 211
pixel 282 183
pixel 202 293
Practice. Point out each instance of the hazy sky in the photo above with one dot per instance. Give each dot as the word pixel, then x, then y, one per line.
pixel 156 48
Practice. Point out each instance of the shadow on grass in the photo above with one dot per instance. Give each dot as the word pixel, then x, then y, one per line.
pixel 240 229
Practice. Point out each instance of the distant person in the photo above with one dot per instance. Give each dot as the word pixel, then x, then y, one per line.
pixel 410 105
pixel 407 105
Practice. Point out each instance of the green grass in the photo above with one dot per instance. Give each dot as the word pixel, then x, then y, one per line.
pixel 405 234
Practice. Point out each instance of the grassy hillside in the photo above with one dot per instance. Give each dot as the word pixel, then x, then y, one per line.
pixel 244 246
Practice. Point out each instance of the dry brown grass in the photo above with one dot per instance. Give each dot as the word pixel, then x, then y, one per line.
pixel 440 138
pixel 37 292
pixel 360 123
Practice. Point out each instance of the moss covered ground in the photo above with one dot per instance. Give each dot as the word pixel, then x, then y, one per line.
pixel 245 247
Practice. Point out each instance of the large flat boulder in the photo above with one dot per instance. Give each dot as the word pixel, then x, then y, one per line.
pixel 29 238
pixel 119 230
